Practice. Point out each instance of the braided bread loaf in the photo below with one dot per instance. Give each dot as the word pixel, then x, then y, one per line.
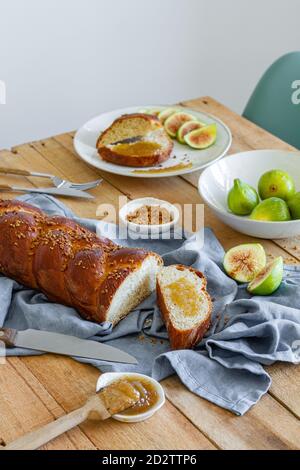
pixel 71 265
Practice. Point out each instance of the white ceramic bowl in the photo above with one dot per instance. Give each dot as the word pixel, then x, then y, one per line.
pixel 148 229
pixel 216 181
pixel 109 377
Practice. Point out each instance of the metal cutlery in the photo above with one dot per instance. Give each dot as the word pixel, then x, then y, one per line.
pixel 68 192
pixel 58 182
pixel 63 344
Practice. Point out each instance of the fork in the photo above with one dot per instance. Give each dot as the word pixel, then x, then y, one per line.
pixel 58 182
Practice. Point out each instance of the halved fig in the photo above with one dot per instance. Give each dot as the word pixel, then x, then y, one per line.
pixel 244 262
pixel 175 121
pixel 269 279
pixel 188 127
pixel 165 114
pixel 202 138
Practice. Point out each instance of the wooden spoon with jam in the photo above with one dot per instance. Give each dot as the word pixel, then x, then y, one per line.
pixel 115 398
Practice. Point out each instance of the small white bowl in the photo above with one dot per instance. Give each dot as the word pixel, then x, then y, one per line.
pixel 217 180
pixel 109 377
pixel 148 229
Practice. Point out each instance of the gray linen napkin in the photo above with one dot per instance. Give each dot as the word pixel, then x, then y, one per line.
pixel 227 367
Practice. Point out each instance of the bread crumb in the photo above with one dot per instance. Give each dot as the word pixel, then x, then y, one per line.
pixel 148 322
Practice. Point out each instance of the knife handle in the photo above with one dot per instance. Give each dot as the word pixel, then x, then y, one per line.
pixel 8 336
pixel 14 171
pixel 5 187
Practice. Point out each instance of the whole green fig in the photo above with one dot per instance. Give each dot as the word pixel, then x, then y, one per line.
pixel 294 205
pixel 242 198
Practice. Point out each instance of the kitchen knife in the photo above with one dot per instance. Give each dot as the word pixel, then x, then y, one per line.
pixel 56 191
pixel 63 344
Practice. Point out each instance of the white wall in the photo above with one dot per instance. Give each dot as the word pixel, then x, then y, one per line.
pixel 65 61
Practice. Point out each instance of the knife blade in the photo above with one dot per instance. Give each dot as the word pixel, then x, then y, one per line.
pixel 63 344
pixel 56 191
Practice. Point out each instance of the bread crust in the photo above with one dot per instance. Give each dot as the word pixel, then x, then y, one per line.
pixel 185 339
pixel 140 161
pixel 137 161
pixel 64 260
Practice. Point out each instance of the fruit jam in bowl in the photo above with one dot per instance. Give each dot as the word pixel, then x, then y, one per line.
pixel 256 192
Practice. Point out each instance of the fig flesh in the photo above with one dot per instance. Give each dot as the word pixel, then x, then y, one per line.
pixel 175 121
pixel 242 263
pixel 188 127
pixel 269 279
pixel 202 138
pixel 165 114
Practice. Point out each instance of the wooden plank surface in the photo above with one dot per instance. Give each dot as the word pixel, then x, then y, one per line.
pixel 268 425
pixel 272 424
pixel 71 382
pixel 22 409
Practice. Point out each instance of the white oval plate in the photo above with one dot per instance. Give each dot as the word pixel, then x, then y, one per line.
pixel 86 138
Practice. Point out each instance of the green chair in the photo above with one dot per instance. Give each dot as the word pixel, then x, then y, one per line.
pixel 275 102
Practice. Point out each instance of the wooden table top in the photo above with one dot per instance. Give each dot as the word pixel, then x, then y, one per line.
pixel 37 390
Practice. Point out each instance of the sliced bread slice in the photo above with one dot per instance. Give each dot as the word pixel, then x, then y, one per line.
pixel 185 305
pixel 136 140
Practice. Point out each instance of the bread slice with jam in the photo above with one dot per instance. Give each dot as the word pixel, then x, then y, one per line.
pixel 136 140
pixel 184 304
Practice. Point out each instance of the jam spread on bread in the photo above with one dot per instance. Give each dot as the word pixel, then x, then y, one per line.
pixel 137 148
pixel 184 303
pixel 184 295
pixel 137 140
